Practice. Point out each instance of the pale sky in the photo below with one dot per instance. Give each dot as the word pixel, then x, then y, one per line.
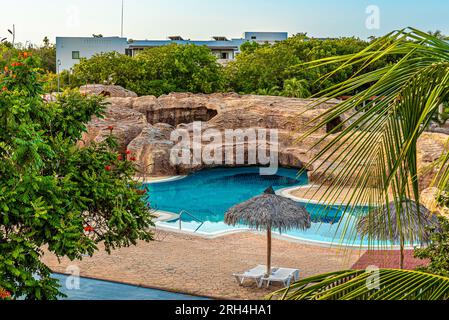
pixel 201 19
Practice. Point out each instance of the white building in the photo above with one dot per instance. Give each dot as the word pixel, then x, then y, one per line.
pixel 69 50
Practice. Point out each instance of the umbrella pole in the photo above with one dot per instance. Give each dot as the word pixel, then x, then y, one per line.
pixel 268 251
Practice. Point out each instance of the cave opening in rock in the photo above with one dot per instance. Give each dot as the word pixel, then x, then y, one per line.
pixel 177 116
pixel 330 127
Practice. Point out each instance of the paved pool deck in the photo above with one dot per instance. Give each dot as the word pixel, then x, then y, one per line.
pixel 204 266
pixel 315 193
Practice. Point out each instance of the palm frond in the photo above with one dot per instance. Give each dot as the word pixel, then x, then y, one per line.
pixel 374 149
pixel 383 284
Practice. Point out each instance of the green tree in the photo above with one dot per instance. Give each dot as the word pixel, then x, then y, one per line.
pixel 437 251
pixel 181 68
pixel 47 55
pixel 108 68
pixel 262 67
pixel 296 88
pixel 55 195
pixel 156 71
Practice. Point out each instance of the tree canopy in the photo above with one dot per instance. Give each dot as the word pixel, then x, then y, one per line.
pixel 56 196
pixel 278 69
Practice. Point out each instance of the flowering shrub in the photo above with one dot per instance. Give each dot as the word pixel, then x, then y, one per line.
pixel 54 194
pixel 4 294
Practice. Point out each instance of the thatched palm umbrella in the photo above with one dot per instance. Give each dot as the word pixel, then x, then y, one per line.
pixel 413 224
pixel 267 212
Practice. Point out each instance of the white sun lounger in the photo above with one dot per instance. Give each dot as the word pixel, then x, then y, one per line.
pixel 283 275
pixel 255 274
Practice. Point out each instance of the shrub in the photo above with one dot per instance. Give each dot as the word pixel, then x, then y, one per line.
pixel 53 194
pixel 437 251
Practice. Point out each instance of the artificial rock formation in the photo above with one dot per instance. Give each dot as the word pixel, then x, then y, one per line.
pixel 107 91
pixel 144 125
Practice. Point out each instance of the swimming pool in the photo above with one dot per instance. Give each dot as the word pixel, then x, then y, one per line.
pixel 91 289
pixel 208 194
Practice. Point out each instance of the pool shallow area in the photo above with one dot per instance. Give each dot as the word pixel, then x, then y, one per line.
pixel 208 194
pixel 90 289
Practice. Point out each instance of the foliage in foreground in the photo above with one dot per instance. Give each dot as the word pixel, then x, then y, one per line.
pixel 437 252
pixel 376 146
pixel 388 284
pixel 45 54
pixel 376 149
pixel 54 195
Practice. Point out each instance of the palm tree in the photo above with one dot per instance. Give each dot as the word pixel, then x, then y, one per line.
pixel 376 146
pixel 438 34
pixel 296 88
pixel 374 149
pixel 388 284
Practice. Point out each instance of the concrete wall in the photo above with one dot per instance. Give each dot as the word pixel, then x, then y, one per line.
pixel 87 47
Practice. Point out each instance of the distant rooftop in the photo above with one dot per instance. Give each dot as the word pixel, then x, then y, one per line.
pixel 176 38
pixel 219 38
pixel 216 42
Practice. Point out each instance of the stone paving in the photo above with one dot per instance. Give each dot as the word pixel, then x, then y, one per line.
pixel 204 266
pixel 389 259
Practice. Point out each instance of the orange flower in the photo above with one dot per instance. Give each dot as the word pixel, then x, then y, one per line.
pixel 4 89
pixel 4 294
pixel 89 229
pixel 6 68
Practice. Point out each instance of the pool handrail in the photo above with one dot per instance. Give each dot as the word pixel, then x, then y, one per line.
pixel 185 212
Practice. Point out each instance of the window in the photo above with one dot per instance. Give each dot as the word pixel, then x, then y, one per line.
pixel 224 55
pixel 253 37
pixel 76 55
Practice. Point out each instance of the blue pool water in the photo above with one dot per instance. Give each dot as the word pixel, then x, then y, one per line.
pixel 91 289
pixel 208 194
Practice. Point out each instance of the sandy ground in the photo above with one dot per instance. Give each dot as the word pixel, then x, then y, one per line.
pixel 203 266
